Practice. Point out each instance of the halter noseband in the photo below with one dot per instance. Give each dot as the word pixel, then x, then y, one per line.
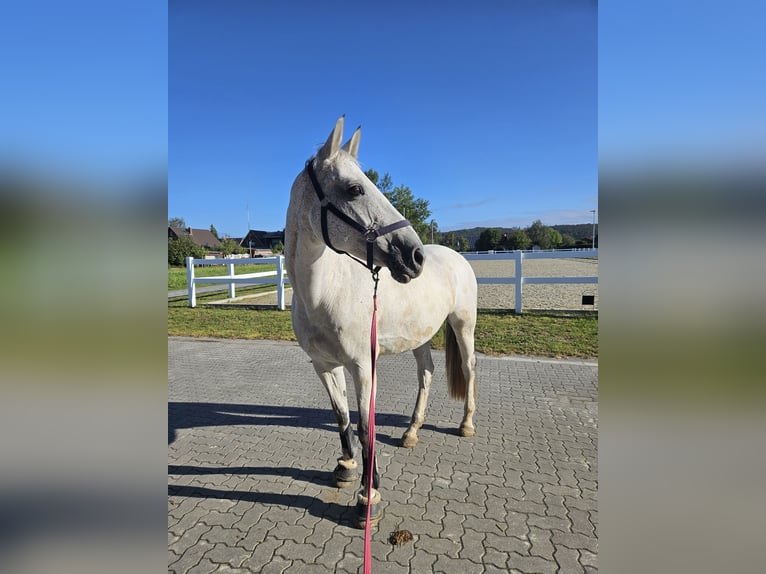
pixel 370 234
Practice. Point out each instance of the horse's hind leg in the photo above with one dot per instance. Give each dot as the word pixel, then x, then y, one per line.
pixel 425 371
pixel 464 328
pixel 335 382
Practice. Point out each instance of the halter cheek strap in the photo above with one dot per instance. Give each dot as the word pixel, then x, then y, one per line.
pixel 370 234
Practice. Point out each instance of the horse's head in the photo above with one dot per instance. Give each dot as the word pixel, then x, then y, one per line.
pixel 352 216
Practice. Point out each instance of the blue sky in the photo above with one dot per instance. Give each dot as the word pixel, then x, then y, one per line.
pixel 681 83
pixel 86 90
pixel 487 110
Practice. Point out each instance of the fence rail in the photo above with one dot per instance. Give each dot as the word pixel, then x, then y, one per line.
pixel 519 280
pixel 278 277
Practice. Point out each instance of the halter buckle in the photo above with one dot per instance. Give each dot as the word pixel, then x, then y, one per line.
pixel 371 235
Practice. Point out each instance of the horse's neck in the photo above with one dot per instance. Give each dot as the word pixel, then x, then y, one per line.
pixel 318 275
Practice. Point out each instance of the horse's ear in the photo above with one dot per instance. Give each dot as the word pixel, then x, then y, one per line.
pixel 352 145
pixel 332 145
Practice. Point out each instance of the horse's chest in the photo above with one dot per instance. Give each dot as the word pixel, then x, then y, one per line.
pixel 323 338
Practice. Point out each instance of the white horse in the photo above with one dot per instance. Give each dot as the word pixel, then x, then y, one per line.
pixel 337 219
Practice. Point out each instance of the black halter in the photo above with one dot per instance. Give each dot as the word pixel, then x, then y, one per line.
pixel 371 234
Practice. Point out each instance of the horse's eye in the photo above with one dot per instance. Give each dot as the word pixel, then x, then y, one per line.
pixel 355 190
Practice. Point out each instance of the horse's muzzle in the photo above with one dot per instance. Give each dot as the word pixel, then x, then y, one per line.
pixel 418 258
pixel 406 264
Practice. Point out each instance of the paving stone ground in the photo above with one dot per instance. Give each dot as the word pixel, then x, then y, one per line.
pixel 252 443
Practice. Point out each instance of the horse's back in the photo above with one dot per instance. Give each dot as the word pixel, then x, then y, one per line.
pixel 410 314
pixel 446 257
pixel 448 265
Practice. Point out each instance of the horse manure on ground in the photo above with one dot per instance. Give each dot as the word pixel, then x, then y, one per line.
pixel 400 537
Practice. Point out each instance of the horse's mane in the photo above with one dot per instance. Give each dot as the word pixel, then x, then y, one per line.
pixel 346 154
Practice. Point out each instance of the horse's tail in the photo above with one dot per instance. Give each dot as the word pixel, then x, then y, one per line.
pixel 456 382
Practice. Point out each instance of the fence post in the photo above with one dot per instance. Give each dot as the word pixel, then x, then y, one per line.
pixel 232 291
pixel 280 283
pixel 192 288
pixel 519 279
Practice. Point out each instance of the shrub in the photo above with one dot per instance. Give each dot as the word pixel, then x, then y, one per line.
pixel 181 248
pixel 229 246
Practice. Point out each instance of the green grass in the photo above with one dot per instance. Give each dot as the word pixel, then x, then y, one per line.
pixel 230 323
pixel 497 332
pixel 177 275
pixel 559 335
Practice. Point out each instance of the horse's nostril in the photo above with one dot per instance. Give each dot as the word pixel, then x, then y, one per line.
pixel 418 257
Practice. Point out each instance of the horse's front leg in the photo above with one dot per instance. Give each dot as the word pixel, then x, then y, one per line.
pixel 363 383
pixel 335 382
pixel 425 372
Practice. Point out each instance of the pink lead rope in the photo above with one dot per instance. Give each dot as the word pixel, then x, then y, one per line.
pixel 371 428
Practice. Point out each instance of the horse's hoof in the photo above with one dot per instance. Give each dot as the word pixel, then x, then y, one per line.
pixel 345 483
pixel 409 440
pixel 466 431
pixel 345 477
pixel 361 515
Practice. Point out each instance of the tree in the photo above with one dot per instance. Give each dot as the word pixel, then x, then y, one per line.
pixel 278 249
pixel 229 246
pixel 535 232
pixel 181 248
pixel 489 239
pixel 543 236
pixel 176 222
pixel 214 231
pixel 456 242
pixel 567 240
pixel 415 210
pixel 552 239
pixel 516 239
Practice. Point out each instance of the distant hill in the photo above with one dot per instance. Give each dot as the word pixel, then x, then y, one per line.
pixel 579 231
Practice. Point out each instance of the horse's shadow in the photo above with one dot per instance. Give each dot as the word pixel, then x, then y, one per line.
pixel 317 477
pixel 338 513
pixel 191 415
pixel 341 514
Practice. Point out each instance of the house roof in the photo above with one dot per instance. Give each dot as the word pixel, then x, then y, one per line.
pixel 262 239
pixel 203 237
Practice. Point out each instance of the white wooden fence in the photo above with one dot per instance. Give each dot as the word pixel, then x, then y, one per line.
pixel 278 277
pixel 519 256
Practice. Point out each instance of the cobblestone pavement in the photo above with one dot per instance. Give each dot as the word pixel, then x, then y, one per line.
pixel 252 443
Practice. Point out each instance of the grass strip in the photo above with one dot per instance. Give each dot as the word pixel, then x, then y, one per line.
pixel 558 335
